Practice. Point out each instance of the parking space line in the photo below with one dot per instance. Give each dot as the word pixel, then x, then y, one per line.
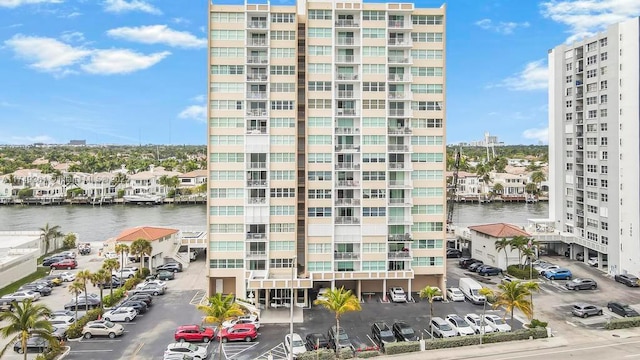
pixel 428 333
pixel 370 339
pixel 232 350
pixel 92 350
pixel 278 352
pixel 98 341
pixel 198 298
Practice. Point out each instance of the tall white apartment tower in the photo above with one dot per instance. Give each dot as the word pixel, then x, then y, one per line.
pixel 326 148
pixel 594 146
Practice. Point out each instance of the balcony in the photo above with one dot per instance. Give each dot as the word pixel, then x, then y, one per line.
pixel 257 113
pixel 346 112
pixel 257 131
pixel 347 202
pixel 259 95
pixel 257 42
pixel 400 237
pixel 398 148
pixel 399 60
pixel 400 165
pixel 346 41
pixel 257 201
pixel 399 95
pixel 348 59
pixel 401 255
pixel 347 166
pixel 403 220
pixel 347 130
pixel 579 108
pixel 580 160
pixel 350 23
pixel 346 256
pixel 400 42
pixel 399 131
pixel 399 202
pixel 399 184
pixel 257 165
pixel 256 77
pixel 257 25
pixel 256 183
pixel 398 112
pixel 251 236
pixel 345 94
pixel 400 78
pixel 396 24
pixel 347 183
pixel 347 220
pixel 580 199
pixel 579 95
pixel 347 147
pixel 347 77
pixel 257 60
pixel 256 254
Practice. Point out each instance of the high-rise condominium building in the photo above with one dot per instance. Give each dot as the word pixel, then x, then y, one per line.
pixel 594 147
pixel 326 148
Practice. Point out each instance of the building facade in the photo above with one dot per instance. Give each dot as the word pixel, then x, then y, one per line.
pixel 594 147
pixel 326 148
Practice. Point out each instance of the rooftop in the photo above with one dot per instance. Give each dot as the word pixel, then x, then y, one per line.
pixel 500 230
pixel 148 233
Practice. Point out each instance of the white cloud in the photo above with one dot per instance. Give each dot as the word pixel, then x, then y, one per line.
pixel 199 98
pixel 541 135
pixel 121 61
pixel 119 6
pixel 72 36
pixel 180 20
pixel 194 112
pixel 158 34
pixel 16 3
pixel 533 77
pixel 501 27
pixel 586 17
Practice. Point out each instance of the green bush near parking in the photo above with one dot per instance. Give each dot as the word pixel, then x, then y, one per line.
pixel 109 301
pixel 143 273
pixel 368 354
pixel 75 330
pixel 537 323
pixel 13 287
pixel 322 354
pixel 401 347
pixel 345 353
pixel 52 354
pixel 521 334
pixel 515 271
pixel 625 323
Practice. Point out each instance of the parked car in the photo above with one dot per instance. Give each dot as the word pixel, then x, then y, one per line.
pixel 473 267
pixel 22 296
pixel 165 275
pixel 111 255
pixel 489 271
pixel 52 259
pixel 63 313
pixel 102 328
pixel 6 305
pixel 69 254
pixel 558 274
pixel 41 289
pixel 404 331
pixel 315 341
pixel 62 321
pixel 454 294
pixel 240 332
pixel 60 333
pixel 581 284
pixel 339 339
pixel 245 319
pixel 397 294
pixel 195 351
pixel 548 268
pixel 156 282
pixel 508 279
pixel 64 264
pixel 140 306
pixel 465 262
pixel 453 253
pixel 497 323
pixel 55 280
pixel 580 256
pixel 151 289
pixel 542 265
pixel 68 276
pixel 82 303
pixel 35 344
pixel 145 298
pixel 114 283
pixel 125 314
pixel 322 294
pixel 593 261
pixel 585 310
pixel 124 273
pixel 382 333
pixel 621 309
pixel 173 267
pixel 195 333
pixel 461 327
pixel 627 279
pixel 294 345
pixel 477 324
pixel 438 297
pixel 441 329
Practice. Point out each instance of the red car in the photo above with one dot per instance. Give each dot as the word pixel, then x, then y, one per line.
pixel 195 333
pixel 65 264
pixel 238 332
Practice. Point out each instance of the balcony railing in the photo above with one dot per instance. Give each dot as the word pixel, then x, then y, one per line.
pixel 257 165
pixel 257 24
pixel 257 42
pixel 400 42
pixel 399 131
pixel 257 95
pixel 345 58
pixel 399 183
pixel 345 147
pixel 257 200
pixel 345 94
pixel 399 201
pixel 354 202
pixel 256 254
pixel 400 255
pixel 400 165
pixel 346 112
pixel 579 173
pixel 398 60
pixel 395 23
pixel 349 77
pixel 399 148
pixel 346 41
pixel 399 95
pixel 399 220
pixel 251 235
pixel 398 112
pixel 399 77
pixel 258 113
pixel 257 60
pixel 347 183
pixel 346 23
pixel 256 183
pixel 347 166
pixel 346 256
pixel 256 77
pixel 347 220
pixel 347 130
pixel 400 237
pixel 579 108
pixel 258 130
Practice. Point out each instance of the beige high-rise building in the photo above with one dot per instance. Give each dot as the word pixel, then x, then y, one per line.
pixel 326 149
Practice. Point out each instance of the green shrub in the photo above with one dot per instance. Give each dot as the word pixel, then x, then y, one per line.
pixel 52 353
pixel 131 283
pixel 75 330
pixel 624 323
pixel 368 354
pixel 537 323
pixel 321 354
pixel 25 193
pixel 401 347
pixel 143 273
pixel 345 353
pixel 110 301
pixel 515 271
pixel 521 334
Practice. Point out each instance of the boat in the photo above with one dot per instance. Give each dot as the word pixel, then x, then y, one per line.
pixel 143 199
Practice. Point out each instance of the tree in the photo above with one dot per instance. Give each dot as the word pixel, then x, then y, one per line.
pixel 429 293
pixel 220 309
pixel 514 295
pixel 531 188
pixel 518 243
pixel 169 182
pixel 69 241
pixel 141 247
pixel 76 288
pixel 498 188
pixel 109 265
pixel 529 253
pixel 120 179
pixel 501 245
pixel 538 177
pixel 99 278
pixel 26 320
pixel 121 249
pixel 531 286
pixel 339 302
pixel 84 277
pixel 47 233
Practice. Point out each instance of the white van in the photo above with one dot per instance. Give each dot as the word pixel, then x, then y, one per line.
pixel 471 290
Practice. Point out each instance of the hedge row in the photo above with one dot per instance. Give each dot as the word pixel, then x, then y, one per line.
pixel 75 330
pixel 624 323
pixel 521 334
pixel 368 354
pixel 345 353
pixel 401 347
pixel 515 271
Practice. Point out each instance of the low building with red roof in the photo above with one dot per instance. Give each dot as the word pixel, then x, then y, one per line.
pixel 165 242
pixel 483 243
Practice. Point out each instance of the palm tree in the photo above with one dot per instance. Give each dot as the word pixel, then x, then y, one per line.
pixel 120 179
pixel 487 293
pixel 169 182
pixel 109 265
pixel 518 243
pixel 76 288
pixel 498 188
pixel 501 245
pixel 531 188
pixel 529 253
pixel 339 301
pixel 141 247
pixel 26 320
pixel 48 233
pixel 99 278
pixel 430 292
pixel 531 286
pixel 538 177
pixel 514 295
pixel 220 309
pixel 84 277
pixel 121 249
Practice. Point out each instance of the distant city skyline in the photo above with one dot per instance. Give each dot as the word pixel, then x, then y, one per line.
pixel 138 76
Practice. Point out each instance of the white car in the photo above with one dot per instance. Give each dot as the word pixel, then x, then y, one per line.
pixel 497 323
pixel 185 348
pixel 438 297
pixel 477 325
pixel 454 294
pixel 160 283
pixel 62 322
pixel 244 319
pixel 22 296
pixel 70 254
pixel 125 314
pixel 460 325
pixel 295 347
pixel 322 294
pixel 68 276
pixel 110 255
pixel 549 268
pixel 593 261
pixel 124 273
pixel 397 294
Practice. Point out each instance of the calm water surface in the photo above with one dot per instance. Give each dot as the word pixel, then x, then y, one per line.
pixel 95 223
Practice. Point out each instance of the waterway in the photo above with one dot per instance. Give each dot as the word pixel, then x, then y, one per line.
pixel 96 223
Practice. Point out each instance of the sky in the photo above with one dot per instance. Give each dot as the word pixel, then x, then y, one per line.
pixel 135 71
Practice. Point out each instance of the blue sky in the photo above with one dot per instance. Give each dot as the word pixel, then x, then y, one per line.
pixel 134 71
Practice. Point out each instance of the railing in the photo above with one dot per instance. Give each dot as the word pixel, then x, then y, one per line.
pixel 256 235
pixel 399 131
pixel 257 60
pixel 346 112
pixel 345 94
pixel 399 219
pixel 400 237
pixel 345 58
pixel 256 77
pixel 400 255
pixel 257 200
pixel 257 25
pixel 399 77
pixel 398 95
pixel 399 183
pixel 395 23
pixel 579 95
pixel 347 76
pixel 257 42
pixel 346 23
pixel 579 199
pixel 347 220
pixel 399 165
pixel 401 148
pixel 347 183
pixel 354 202
pixel 579 173
pixel 397 112
pixel 398 60
pixel 256 253
pixel 256 95
pixel 579 108
pixel 256 113
pixel 346 256
pixel 399 201
pixel 347 130
pixel 256 183
pixel 400 42
pixel 346 41
pixel 579 160
pixel 347 147
pixel 257 165
pixel 258 130
pixel 347 166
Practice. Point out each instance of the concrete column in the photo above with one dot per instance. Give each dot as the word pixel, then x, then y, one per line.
pixel 267 302
pixel 600 260
pixel 333 284
pixel 359 289
pixel 586 254
pixel 306 297
pixel 384 289
pixel 409 290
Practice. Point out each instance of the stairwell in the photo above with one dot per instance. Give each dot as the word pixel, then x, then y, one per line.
pixel 179 257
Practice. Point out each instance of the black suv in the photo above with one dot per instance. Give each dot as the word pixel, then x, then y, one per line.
pixel 174 267
pixel 382 334
pixel 340 340
pixel 627 279
pixel 53 259
pixel 621 309
pixel 465 262
pixel 404 332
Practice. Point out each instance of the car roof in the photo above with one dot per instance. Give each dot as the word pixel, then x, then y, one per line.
pixel 582 304
pixel 243 326
pixel 188 327
pixel 296 336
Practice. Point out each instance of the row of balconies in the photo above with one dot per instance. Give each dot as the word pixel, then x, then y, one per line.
pixel 394 255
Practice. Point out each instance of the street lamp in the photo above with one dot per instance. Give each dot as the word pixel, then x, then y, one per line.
pixel 293 275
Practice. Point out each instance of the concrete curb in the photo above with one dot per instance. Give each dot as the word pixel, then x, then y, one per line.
pixel 64 354
pixel 76 339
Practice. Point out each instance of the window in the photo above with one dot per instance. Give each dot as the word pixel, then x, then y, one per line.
pixel 282 139
pixel 592 59
pixel 604 197
pixel 603 99
pixel 427 261
pixel 282 122
pixel 280 263
pixel 569 66
pixel 227 175
pixel 319 68
pixel 282 87
pixel 283 192
pixel 568 92
pixel 374 122
pixel 227 246
pixel 282 227
pixel 426 140
pixel 374 247
pixel 426 226
pixel 226 210
pixel 282 157
pixel 604 183
pixel 374 211
pixel 283 18
pixel 374 51
pixel 226 264
pixel 427 210
pixel 319 86
pixel 319 122
pixel 373 176
pixel 427 19
pixel 604 141
pixel 282 175
pixel 282 210
pixel 319 248
pixel 226 17
pixel 374 140
pixel 319 175
pixel 592 182
pixel 592 168
pixel 603 56
pixel 426 123
pixel 592 100
pixel 373 86
pixel 282 53
pixel 319 15
pixel 319 50
pixel 227 69
pixel 234 52
pixel 569 79
pixel 426 71
pixel 319 194
pixel 603 42
pixel 319 103
pixel 374 69
pixel 426 54
pixel 592 46
pixel 227 139
pixel 427 175
pixel 374 33
pixel 283 70
pixel 568 116
pixel 319 212
pixel 568 103
pixel 227 35
pixel 226 122
pixel 226 105
pixel 427 244
pixel 227 157
pixel 374 104
pixel 227 228
pixel 592 73
pixel 373 266
pixel 604 169
pixel 373 158
pixel 323 33
pixel 592 141
pixel 374 193
pixel 319 266
pixel 428 37
pixel 603 113
pixel 282 105
pixel 283 35
pixel 373 15
pixel 319 140
pixel 592 114
pixel 592 87
pixel 603 85
pixel 426 105
pixel 604 155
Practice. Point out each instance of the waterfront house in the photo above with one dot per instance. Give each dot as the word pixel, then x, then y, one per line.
pixel 483 240
pixel 512 185
pixel 148 182
pixel 193 178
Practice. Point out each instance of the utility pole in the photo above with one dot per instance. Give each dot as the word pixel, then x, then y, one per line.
pixel 293 275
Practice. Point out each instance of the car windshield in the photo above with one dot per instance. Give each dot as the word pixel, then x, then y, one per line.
pixel 297 343
pixel 202 329
pixel 193 347
pixel 109 324
pixel 627 309
pixel 407 331
pixel 498 321
pixel 343 336
pixel 386 333
pixel 445 327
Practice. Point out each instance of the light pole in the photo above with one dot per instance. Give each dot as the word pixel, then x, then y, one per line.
pixel 293 275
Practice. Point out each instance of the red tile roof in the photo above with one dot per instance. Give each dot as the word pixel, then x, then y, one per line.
pixel 500 230
pixel 145 232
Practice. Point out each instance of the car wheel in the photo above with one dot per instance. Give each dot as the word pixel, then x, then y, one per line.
pixel 175 271
pixel 609 309
pixel 127 319
pixel 205 340
pixel 593 287
pixel 107 319
pixel 568 277
pixel 626 315
pixel 552 278
pixel 224 339
pixel 112 335
pixel 600 312
pixel 87 335
pixel 585 315
pixel 181 340
pixel 247 339
pixel 20 351
pixel 68 267
pixel 155 293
